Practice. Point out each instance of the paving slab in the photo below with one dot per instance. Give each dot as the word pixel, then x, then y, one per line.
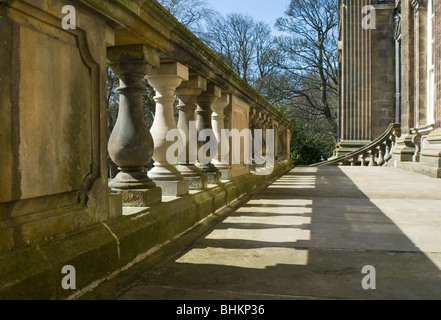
pixel 308 236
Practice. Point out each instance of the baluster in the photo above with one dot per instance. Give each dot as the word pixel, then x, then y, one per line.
pixel 165 80
pixel 203 122
pixel 380 159
pixel 187 93
pixel 388 154
pixel 221 161
pixel 130 144
pixel 372 153
pixel 352 161
pixel 363 159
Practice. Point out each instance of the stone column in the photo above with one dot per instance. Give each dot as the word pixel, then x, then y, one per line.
pixel 265 125
pixel 366 102
pixel 259 149
pixel 187 93
pixel 283 137
pixel 203 121
pixel 131 145
pixel 356 62
pixel 420 61
pixel 404 148
pixel 275 126
pixel 221 161
pixel 270 160
pixel 254 117
pixel 165 80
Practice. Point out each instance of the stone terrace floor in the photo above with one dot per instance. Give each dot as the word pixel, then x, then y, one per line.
pixel 308 236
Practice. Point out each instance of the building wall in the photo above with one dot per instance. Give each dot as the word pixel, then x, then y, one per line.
pixel 419 146
pixel 407 67
pixel 367 80
pixel 377 87
pixel 383 71
pixel 438 64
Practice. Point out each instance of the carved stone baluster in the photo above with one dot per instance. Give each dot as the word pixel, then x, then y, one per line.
pixel 221 161
pixel 372 152
pixel 165 80
pixel 259 142
pixel 388 154
pixel 363 159
pixel 131 145
pixel 187 93
pixel 352 161
pixel 254 116
pixel 265 126
pixel 380 159
pixel 203 122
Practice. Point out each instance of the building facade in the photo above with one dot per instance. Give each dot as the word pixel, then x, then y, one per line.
pixel 390 72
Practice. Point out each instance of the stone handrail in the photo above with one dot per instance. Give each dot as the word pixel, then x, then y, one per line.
pixel 377 153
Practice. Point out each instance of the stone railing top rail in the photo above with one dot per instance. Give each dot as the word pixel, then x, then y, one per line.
pixel 393 129
pixel 147 22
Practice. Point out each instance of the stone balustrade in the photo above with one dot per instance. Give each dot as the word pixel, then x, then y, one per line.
pixel 57 204
pixel 377 153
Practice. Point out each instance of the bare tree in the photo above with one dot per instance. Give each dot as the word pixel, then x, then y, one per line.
pixel 309 52
pixel 191 13
pixel 242 42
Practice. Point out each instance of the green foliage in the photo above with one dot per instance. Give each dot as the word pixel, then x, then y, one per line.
pixel 312 142
pixel 309 146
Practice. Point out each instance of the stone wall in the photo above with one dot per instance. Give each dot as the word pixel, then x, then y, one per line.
pixel 53 160
pixel 419 147
pixel 57 206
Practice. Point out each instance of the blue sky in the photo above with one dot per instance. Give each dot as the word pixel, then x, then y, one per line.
pixel 261 10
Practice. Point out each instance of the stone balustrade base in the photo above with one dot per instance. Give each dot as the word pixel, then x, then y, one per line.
pixel 140 198
pixel 225 174
pixel 197 183
pixel 404 149
pixel 429 162
pixel 173 188
pixel 418 167
pixel 102 250
pixel 196 180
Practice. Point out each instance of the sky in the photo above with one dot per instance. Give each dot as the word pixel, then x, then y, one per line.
pixel 260 10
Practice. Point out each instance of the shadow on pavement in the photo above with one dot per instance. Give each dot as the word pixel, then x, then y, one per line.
pixel 307 236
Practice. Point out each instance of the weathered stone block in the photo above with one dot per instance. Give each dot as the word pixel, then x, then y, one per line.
pixel 204 203
pixel 225 174
pixel 6 238
pixel 173 188
pixel 219 196
pixel 92 252
pixel 140 198
pixel 115 205
pixel 25 274
pixel 197 182
pixel 213 177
